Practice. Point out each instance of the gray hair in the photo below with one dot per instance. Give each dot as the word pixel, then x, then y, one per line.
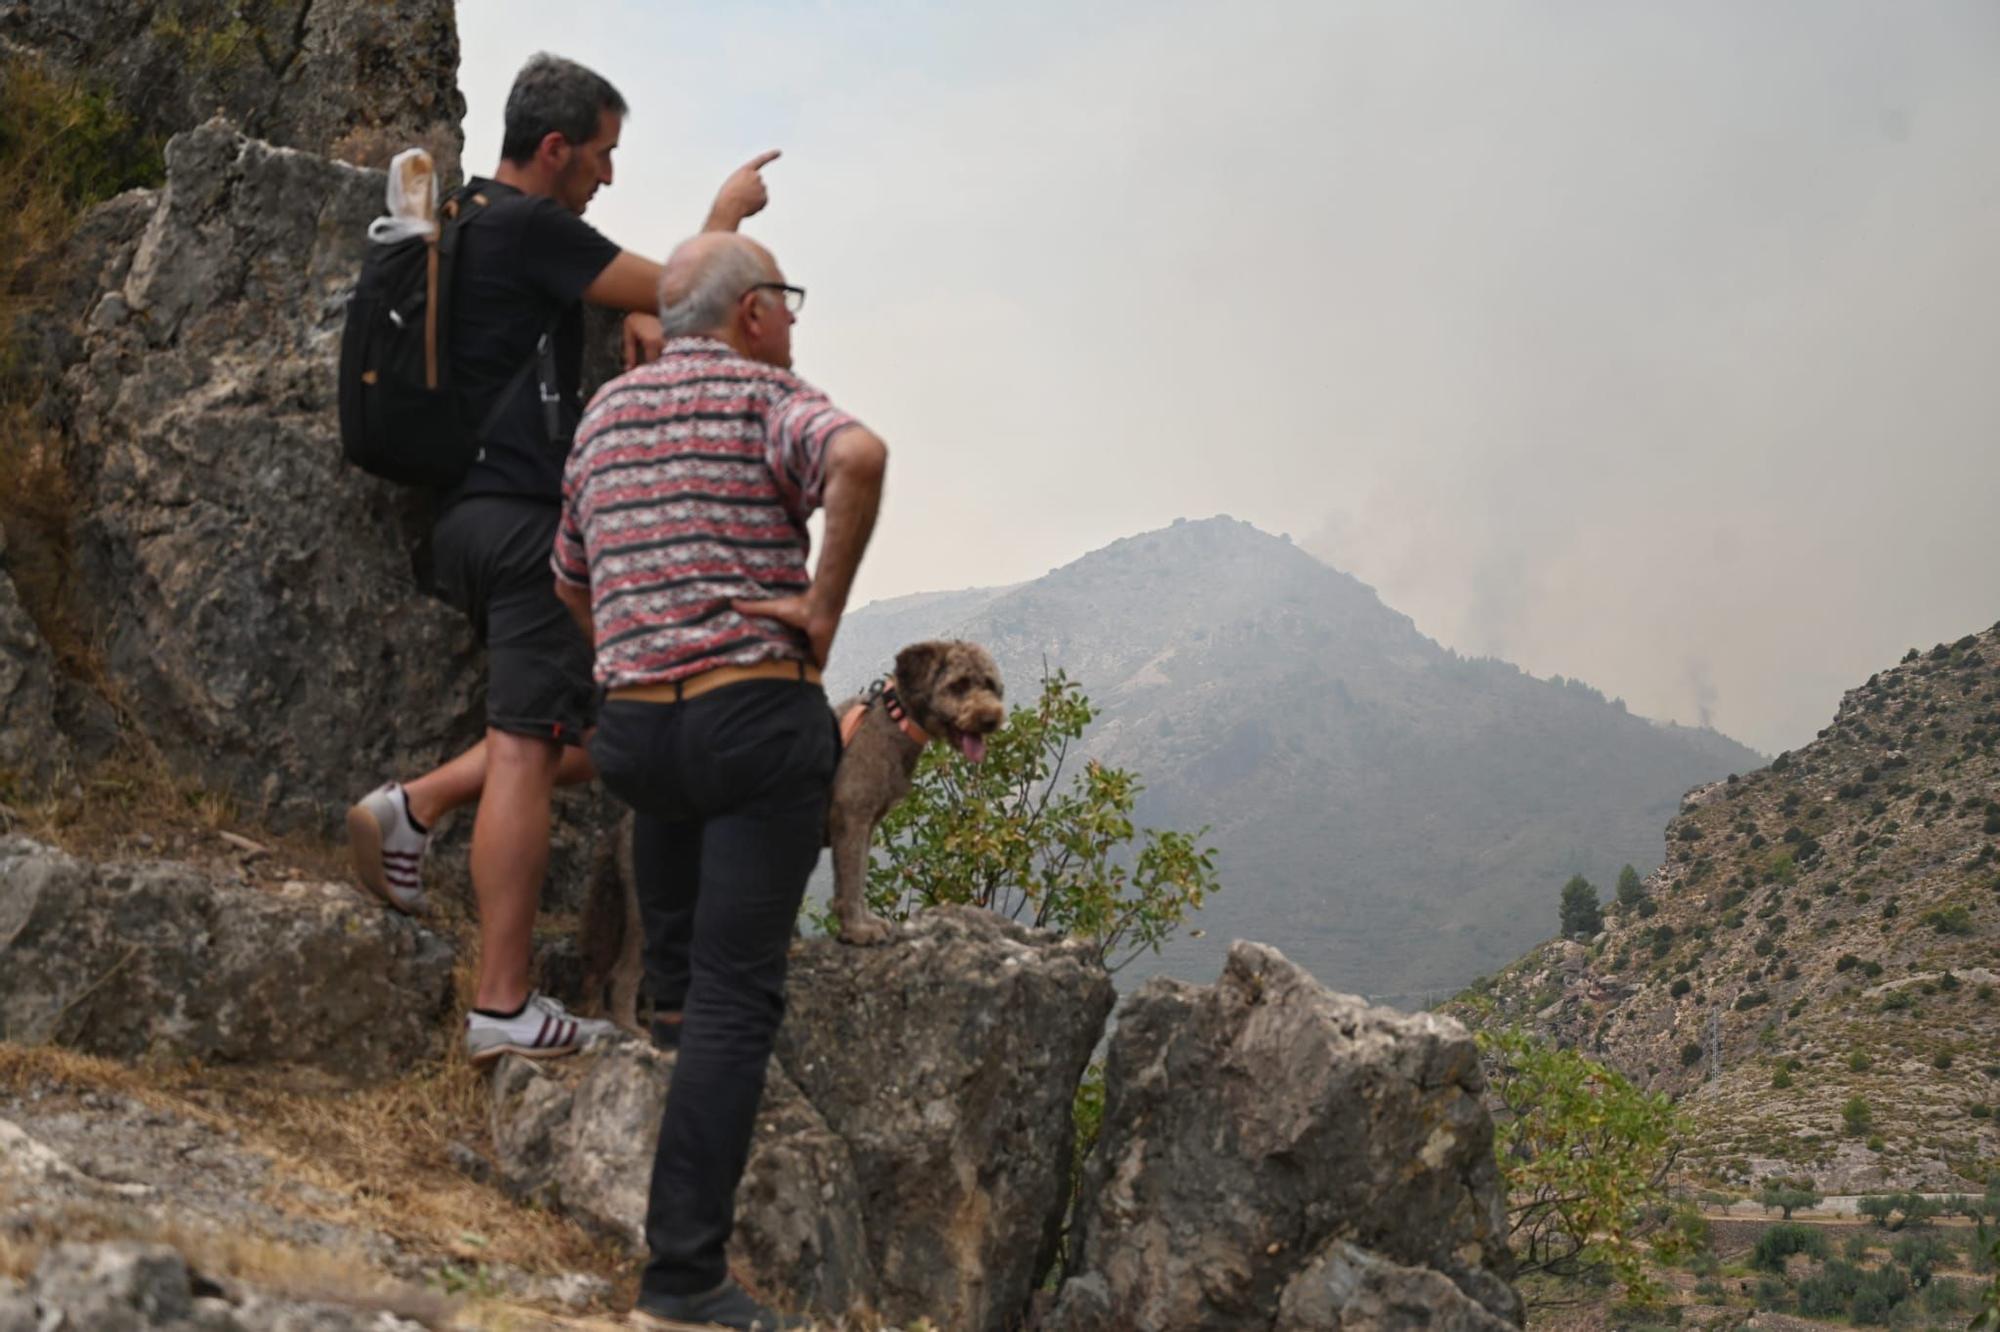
pixel 553 95
pixel 701 302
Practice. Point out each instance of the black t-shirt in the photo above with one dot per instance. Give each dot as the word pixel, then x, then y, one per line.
pixel 523 262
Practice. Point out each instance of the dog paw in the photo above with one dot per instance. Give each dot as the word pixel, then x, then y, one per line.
pixel 865 931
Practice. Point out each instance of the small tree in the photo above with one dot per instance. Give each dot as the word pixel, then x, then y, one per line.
pixel 1584 1155
pixel 1788 1195
pixel 1629 889
pixel 1580 911
pixel 1856 1117
pixel 1008 835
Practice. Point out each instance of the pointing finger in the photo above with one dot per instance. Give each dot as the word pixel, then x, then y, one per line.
pixel 762 160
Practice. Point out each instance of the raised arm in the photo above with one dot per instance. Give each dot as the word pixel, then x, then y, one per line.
pixel 856 459
pixel 631 282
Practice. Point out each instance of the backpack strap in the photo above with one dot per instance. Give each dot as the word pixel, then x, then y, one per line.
pixel 460 206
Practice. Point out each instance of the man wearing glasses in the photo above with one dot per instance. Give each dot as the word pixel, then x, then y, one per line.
pixel 682 551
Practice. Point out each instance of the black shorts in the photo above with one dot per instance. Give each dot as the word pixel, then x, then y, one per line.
pixel 490 555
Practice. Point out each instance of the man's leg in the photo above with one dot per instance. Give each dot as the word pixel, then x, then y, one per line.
pixel 753 869
pixel 458 781
pixel 510 855
pixel 666 862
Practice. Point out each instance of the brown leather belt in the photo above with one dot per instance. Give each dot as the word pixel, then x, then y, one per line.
pixel 676 691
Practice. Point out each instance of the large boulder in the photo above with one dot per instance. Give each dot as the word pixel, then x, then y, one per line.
pixel 948 1061
pixel 1348 1289
pixel 252 595
pixel 912 1152
pixel 153 959
pixel 356 79
pixel 1249 1123
pixel 580 1138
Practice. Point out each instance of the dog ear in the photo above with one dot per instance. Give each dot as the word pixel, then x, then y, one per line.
pixel 917 663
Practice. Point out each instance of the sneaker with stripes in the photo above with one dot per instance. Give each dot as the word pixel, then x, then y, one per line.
pixel 542 1029
pixel 389 848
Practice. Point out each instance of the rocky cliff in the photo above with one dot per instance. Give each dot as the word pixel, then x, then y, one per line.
pixel 1824 932
pixel 352 80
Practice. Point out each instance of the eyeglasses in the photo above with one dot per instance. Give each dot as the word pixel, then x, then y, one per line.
pixel 794 297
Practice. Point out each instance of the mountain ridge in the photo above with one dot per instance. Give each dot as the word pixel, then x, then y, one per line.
pixel 1825 931
pixel 1368 788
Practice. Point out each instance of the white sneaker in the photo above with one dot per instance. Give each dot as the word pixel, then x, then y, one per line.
pixel 542 1029
pixel 388 849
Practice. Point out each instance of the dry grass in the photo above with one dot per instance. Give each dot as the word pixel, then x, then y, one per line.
pixel 374 1158
pixel 104 811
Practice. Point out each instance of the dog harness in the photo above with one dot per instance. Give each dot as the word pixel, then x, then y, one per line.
pixel 881 691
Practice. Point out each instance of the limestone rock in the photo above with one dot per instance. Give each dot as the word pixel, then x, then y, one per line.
pixel 1346 1289
pixel 159 959
pixel 580 1138
pixel 253 595
pixel 1249 1122
pixel 912 1150
pixel 356 79
pixel 32 749
pixel 947 1061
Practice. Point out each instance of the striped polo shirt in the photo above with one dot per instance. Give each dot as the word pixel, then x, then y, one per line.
pixel 689 484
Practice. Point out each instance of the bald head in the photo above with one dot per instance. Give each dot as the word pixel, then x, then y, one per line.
pixel 704 279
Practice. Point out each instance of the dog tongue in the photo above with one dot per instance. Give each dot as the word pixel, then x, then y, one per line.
pixel 973 747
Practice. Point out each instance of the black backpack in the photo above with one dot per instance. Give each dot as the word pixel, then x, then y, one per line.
pixel 399 413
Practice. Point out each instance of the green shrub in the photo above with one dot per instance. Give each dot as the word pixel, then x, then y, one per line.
pixel 1954 919
pixel 1944 1297
pixel 1781 1241
pixel 1690 1054
pixel 1921 1254
pixel 1004 835
pixel 1752 999
pixel 1942 1063
pixel 1856 1117
pixel 1859 1062
pixel 1583 1155
pixel 1773 1294
pixel 1675 991
pixel 1897 1001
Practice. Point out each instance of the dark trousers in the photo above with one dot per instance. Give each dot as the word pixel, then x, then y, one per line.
pixel 735 783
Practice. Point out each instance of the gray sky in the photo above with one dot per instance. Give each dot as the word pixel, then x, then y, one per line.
pixel 1652 344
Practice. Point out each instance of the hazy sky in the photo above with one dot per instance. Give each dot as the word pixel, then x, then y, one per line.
pixel 1652 344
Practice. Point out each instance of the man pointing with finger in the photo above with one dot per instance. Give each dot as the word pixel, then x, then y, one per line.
pixel 527 262
pixel 682 550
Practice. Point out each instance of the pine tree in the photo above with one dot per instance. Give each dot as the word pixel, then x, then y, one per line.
pixel 1580 911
